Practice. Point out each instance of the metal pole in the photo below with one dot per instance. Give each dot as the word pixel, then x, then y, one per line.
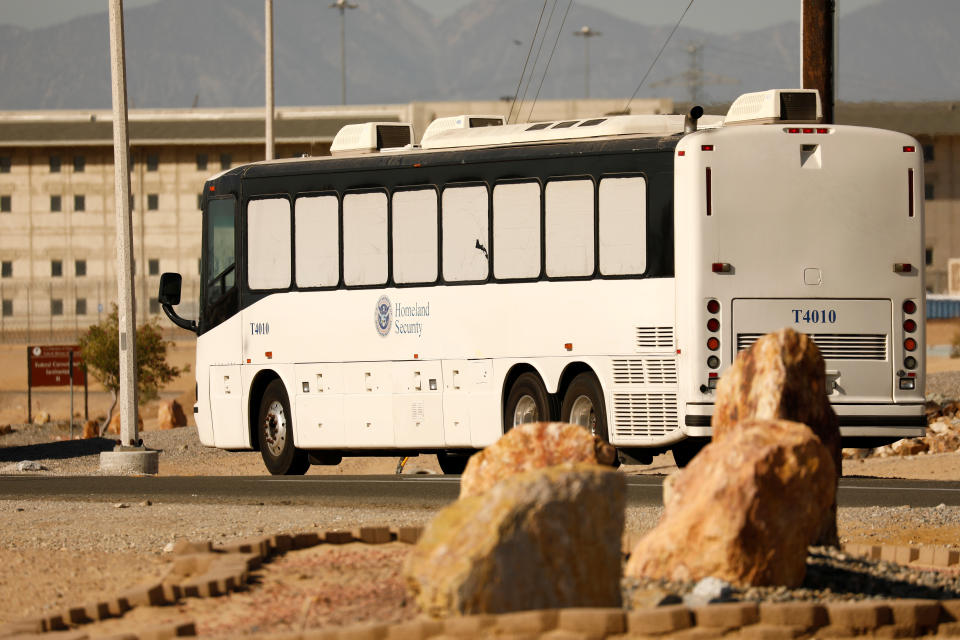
pixel 268 45
pixel 71 394
pixel 86 406
pixel 29 386
pixel 817 62
pixel 343 55
pixel 121 162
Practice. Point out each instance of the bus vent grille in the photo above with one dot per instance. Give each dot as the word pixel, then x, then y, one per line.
pixel 654 337
pixel 661 371
pixel 627 371
pixel 836 346
pixel 644 414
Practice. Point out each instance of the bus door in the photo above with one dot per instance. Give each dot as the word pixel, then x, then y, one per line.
pixel 219 348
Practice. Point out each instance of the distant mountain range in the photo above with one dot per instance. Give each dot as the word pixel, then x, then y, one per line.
pixel 210 52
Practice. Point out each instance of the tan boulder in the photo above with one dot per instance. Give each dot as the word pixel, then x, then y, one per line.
pixel 535 445
pixel 541 539
pixel 115 424
pixel 945 442
pixel 781 376
pixel 744 510
pixel 41 418
pixel 170 415
pixel 909 446
pixel 91 429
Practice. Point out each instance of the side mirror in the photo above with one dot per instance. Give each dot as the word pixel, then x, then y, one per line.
pixel 170 285
pixel 169 296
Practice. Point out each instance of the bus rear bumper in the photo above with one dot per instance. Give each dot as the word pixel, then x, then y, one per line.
pixel 856 420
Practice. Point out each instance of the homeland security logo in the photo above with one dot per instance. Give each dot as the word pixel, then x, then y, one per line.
pixel 383 316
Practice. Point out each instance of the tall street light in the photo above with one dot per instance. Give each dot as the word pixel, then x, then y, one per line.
pixel 586 33
pixel 343 5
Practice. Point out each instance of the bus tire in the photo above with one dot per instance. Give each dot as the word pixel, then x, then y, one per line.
pixel 275 433
pixel 685 450
pixel 452 463
pixel 583 405
pixel 527 401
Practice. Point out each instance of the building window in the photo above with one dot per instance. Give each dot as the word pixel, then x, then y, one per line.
pixel 56 306
pixel 154 305
pixel 4 164
pixel 54 164
pixel 153 201
pixel 79 164
pixel 153 267
pixel 81 309
pixel 225 160
pixel 79 203
pixel 7 307
pixel 56 203
pixel 153 162
pixel 80 267
pixel 56 268
pixel 928 256
pixel 927 152
pixel 5 204
pixel 928 191
pixel 6 269
pixel 201 162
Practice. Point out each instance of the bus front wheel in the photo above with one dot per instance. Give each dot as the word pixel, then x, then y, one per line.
pixel 276 434
pixel 527 402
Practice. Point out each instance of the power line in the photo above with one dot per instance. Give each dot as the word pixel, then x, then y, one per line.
pixel 536 58
pixel 659 53
pixel 552 51
pixel 529 51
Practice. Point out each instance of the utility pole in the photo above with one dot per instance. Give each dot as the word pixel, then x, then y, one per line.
pixel 817 62
pixel 343 5
pixel 121 165
pixel 268 67
pixel 586 33
pixel 694 78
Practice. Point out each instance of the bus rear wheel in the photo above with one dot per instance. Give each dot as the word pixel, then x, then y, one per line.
pixel 275 432
pixel 527 402
pixel 583 405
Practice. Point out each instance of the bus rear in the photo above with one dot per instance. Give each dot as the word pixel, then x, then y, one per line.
pixel 791 223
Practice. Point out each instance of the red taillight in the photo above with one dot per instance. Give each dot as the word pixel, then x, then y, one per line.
pixel 713 344
pixel 212 188
pixel 713 324
pixel 681 153
pixel 713 306
pixel 793 130
pixel 909 325
pixel 909 306
pixel 910 344
pixel 909 149
pixel 823 130
pixel 810 130
pixel 706 147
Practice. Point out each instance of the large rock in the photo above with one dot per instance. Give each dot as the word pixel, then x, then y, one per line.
pixel 781 377
pixel 170 415
pixel 91 429
pixel 542 539
pixel 744 510
pixel 535 445
pixel 41 418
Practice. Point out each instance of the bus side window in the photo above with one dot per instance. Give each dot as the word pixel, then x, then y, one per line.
pixel 516 230
pixel 268 243
pixel 465 234
pixel 365 238
pixel 623 226
pixel 317 242
pixel 415 236
pixel 569 228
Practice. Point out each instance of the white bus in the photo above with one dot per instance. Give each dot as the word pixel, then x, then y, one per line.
pixel 397 299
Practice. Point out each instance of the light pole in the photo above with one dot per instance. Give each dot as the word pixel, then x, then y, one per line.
pixel 268 47
pixel 586 33
pixel 343 5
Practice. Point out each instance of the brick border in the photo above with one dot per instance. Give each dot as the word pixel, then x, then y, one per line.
pixel 200 569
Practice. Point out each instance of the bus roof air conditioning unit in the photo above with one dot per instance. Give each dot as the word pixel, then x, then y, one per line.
pixel 461 122
pixel 371 137
pixel 777 106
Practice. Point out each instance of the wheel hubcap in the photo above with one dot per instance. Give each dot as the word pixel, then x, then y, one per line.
pixel 526 411
pixel 275 428
pixel 583 414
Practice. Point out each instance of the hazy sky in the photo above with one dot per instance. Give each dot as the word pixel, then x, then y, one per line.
pixel 721 16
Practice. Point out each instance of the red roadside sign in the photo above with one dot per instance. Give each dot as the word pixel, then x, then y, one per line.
pixel 49 366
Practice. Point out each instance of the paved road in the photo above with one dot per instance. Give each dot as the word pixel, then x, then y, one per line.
pixel 412 491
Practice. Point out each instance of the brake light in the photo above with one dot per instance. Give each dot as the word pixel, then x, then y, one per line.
pixel 713 324
pixel 909 306
pixel 706 147
pixel 713 306
pixel 909 325
pixel 909 149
